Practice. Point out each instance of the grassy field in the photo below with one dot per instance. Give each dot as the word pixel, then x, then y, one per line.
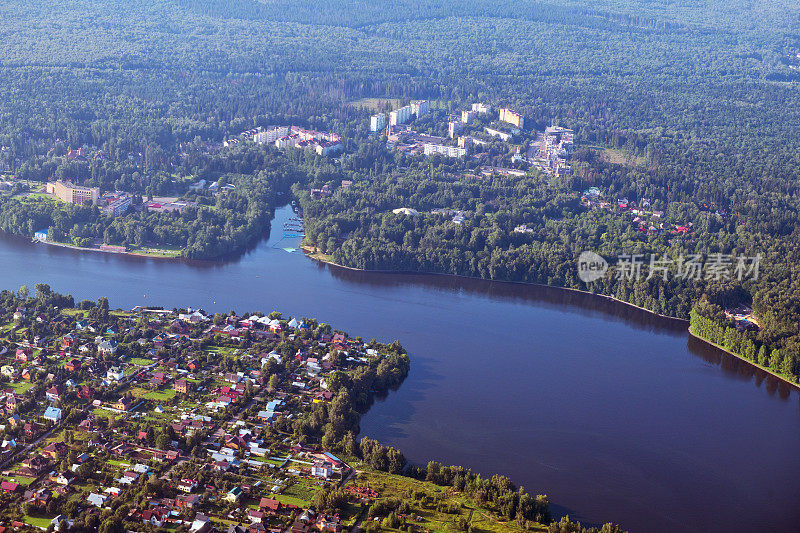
pixel 479 518
pixel 375 104
pixel 141 361
pixel 41 522
pixel 622 157
pixel 22 480
pixel 22 386
pixel 223 350
pixel 36 197
pixel 166 251
pixel 299 493
pixel 165 394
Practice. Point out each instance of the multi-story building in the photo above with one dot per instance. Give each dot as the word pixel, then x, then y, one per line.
pixel 420 107
pixel 377 122
pixel 400 116
pixel 467 116
pixel 454 127
pixel 328 147
pixel 512 117
pixel 481 108
pixel 449 151
pixel 118 206
pixel 556 150
pixel 467 140
pixel 270 135
pixel 497 133
pixel 73 194
pixel 286 141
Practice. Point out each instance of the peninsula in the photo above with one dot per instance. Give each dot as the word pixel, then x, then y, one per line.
pixel 147 419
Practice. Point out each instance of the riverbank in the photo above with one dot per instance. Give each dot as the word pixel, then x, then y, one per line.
pixel 780 377
pixel 155 253
pixel 327 259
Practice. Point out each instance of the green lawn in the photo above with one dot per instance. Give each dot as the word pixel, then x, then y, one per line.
pixel 22 480
pixel 22 386
pixel 37 522
pixel 141 361
pixel 36 197
pixel 165 394
pixel 302 490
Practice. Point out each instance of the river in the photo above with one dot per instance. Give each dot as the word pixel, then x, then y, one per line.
pixel 615 414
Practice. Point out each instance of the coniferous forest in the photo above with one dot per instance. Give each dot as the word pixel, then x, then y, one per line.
pixel 691 108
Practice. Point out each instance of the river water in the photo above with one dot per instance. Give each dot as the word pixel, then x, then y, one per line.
pixel 615 414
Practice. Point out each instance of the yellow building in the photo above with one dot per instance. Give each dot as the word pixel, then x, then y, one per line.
pixel 512 117
pixel 73 194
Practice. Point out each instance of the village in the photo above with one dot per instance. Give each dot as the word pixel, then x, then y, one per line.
pixel 290 137
pixel 181 419
pixel 477 130
pixel 647 220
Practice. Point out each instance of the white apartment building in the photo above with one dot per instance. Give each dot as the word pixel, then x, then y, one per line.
pixel 420 107
pixel 400 116
pixel 270 135
pixel 449 151
pixel 377 122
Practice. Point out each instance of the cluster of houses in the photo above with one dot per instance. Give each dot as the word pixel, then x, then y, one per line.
pixel 456 216
pixel 291 137
pixel 647 220
pixel 170 387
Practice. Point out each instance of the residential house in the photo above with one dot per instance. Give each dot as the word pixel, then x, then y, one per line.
pixel 188 501
pixel 107 347
pixel 268 504
pixel 53 414
pixel 8 486
pixel 322 469
pixel 328 523
pixel 62 478
pixel 182 386
pixel 55 450
pixel 54 393
pixel 129 477
pixel 124 403
pixel 98 500
pixel 187 485
pixel 156 516
pixel 23 354
pixel 234 494
pixel 35 465
pixel 114 373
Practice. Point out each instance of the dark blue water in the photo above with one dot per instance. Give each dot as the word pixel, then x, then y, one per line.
pixel 614 414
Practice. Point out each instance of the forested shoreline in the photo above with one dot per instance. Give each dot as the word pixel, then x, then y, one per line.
pixel 693 109
pixel 678 106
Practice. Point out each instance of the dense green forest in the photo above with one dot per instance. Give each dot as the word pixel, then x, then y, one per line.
pixel 700 100
pixel 693 106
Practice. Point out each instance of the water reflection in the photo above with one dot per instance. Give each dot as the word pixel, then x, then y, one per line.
pixel 540 295
pixel 736 368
